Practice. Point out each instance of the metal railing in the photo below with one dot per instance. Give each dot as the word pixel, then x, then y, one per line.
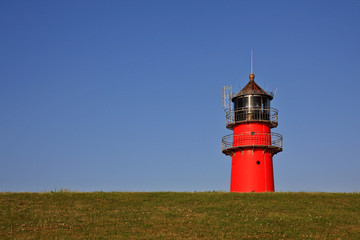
pixel 252 139
pixel 252 114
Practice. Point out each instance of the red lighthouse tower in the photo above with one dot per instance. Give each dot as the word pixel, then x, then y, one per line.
pixel 252 144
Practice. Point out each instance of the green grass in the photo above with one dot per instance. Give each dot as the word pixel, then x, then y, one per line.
pixel 171 215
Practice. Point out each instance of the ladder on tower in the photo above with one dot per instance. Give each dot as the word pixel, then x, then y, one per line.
pixel 227 96
pixel 227 104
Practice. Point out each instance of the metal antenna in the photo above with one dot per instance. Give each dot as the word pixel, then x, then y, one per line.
pixel 252 61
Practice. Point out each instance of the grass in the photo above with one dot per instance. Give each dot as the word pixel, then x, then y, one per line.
pixel 171 215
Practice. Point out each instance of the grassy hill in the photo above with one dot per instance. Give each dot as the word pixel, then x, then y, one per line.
pixel 171 215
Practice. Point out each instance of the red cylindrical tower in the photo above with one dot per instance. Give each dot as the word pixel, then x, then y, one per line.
pixel 252 145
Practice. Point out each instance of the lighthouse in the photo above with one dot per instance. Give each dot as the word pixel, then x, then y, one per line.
pixel 252 144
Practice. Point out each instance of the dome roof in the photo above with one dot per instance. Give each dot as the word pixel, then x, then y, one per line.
pixel 252 88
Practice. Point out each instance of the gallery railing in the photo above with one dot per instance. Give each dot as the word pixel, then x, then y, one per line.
pixel 252 115
pixel 272 141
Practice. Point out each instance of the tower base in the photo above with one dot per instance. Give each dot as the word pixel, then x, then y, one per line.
pixel 252 171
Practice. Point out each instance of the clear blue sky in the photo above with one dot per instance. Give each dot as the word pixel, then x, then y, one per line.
pixel 126 95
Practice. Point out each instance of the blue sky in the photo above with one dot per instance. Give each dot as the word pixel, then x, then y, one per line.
pixel 126 95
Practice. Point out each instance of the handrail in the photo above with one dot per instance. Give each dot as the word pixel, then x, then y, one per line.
pixel 252 139
pixel 252 115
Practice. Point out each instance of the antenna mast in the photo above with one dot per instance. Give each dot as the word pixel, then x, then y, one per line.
pixel 252 61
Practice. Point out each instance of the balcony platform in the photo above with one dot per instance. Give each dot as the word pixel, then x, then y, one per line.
pixel 271 141
pixel 236 117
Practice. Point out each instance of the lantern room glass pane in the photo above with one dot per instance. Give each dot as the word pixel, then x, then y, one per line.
pixel 255 102
pixel 265 103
